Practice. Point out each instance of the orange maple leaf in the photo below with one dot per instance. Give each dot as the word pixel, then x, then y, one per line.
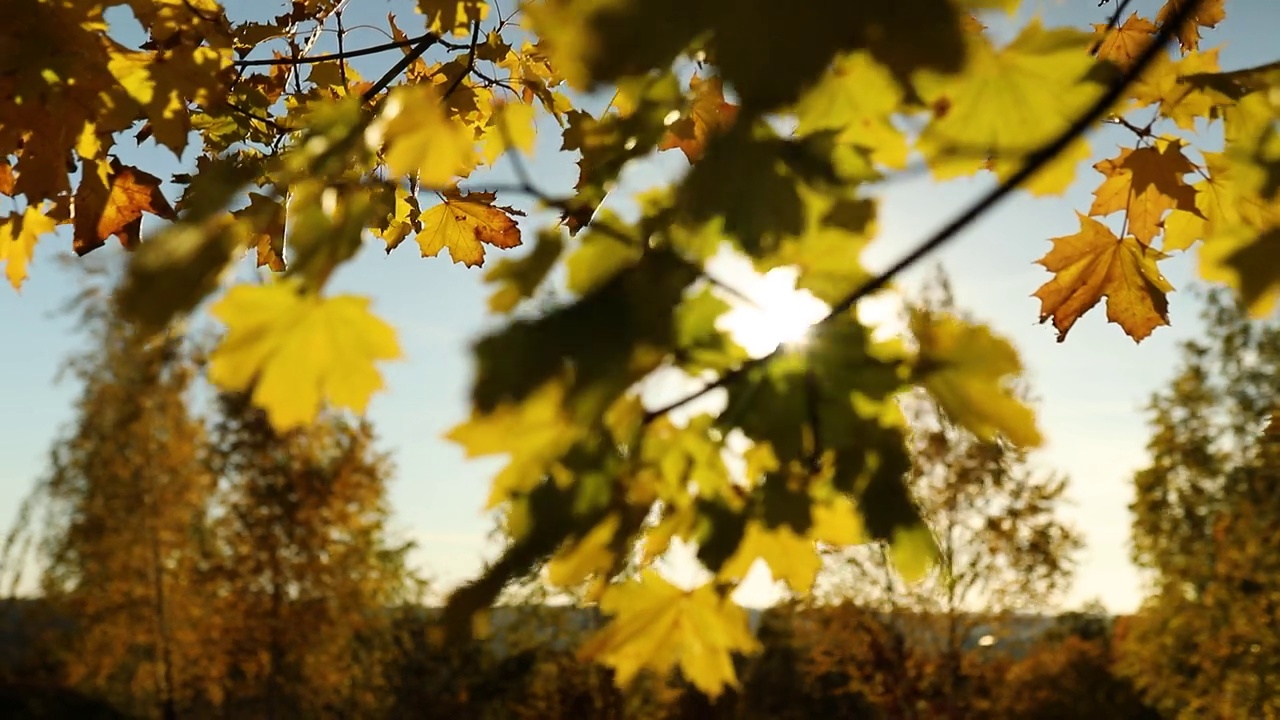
pixel 708 113
pixel 114 207
pixel 1208 14
pixel 1123 44
pixel 7 179
pixel 1145 183
pixel 465 223
pixel 1093 264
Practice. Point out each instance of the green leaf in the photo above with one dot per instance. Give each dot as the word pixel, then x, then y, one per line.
pixel 599 345
pixel 702 345
pixel 519 279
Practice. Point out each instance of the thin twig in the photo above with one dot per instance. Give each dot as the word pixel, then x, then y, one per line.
pixel 260 118
pixel 1034 163
pixel 421 45
pixel 1142 133
pixel 471 60
pixel 342 62
pixel 358 52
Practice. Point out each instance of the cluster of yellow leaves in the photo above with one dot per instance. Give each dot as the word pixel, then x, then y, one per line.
pixel 1162 212
pixel 69 88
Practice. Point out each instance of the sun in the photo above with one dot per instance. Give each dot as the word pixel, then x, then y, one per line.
pixel 774 313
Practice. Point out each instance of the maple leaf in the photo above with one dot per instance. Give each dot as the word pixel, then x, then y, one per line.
pixel 791 557
pixel 296 351
pixel 420 138
pixel 512 126
pixel 453 16
pixel 1182 102
pixel 534 432
pixel 113 205
pixel 1207 14
pixel 1145 183
pixel 1011 101
pixel 18 236
pixel 590 554
pixel 1122 45
pixel 266 216
pixel 7 179
pixel 856 97
pixel 837 522
pixel 708 113
pixel 657 625
pixel 465 223
pixel 964 367
pixel 1093 264
pixel 1245 259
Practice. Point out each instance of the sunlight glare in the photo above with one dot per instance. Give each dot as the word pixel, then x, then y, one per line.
pixel 782 315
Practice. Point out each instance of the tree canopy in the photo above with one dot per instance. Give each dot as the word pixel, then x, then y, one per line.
pixel 789 118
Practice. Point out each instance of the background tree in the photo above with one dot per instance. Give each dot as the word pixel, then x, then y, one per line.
pixel 1070 673
pixel 126 522
pixel 1206 518
pixel 306 574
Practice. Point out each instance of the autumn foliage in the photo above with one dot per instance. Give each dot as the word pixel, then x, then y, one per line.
pixel 788 120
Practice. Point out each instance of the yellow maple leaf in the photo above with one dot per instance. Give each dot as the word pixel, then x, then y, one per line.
pixel 965 367
pixel 656 625
pixel 838 522
pixel 1145 183
pixel 18 236
pixel 857 97
pixel 709 113
pixel 535 433
pixel 1008 102
pixel 1093 264
pixel 1054 177
pixel 420 139
pixel 1220 205
pixel 792 558
pixel 266 218
pixel 590 554
pixel 115 207
pixel 1245 259
pixel 453 16
pixel 1182 102
pixel 512 126
pixel 465 223
pixel 296 351
pixel 1208 14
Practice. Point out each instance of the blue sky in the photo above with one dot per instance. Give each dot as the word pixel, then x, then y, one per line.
pixel 1092 387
